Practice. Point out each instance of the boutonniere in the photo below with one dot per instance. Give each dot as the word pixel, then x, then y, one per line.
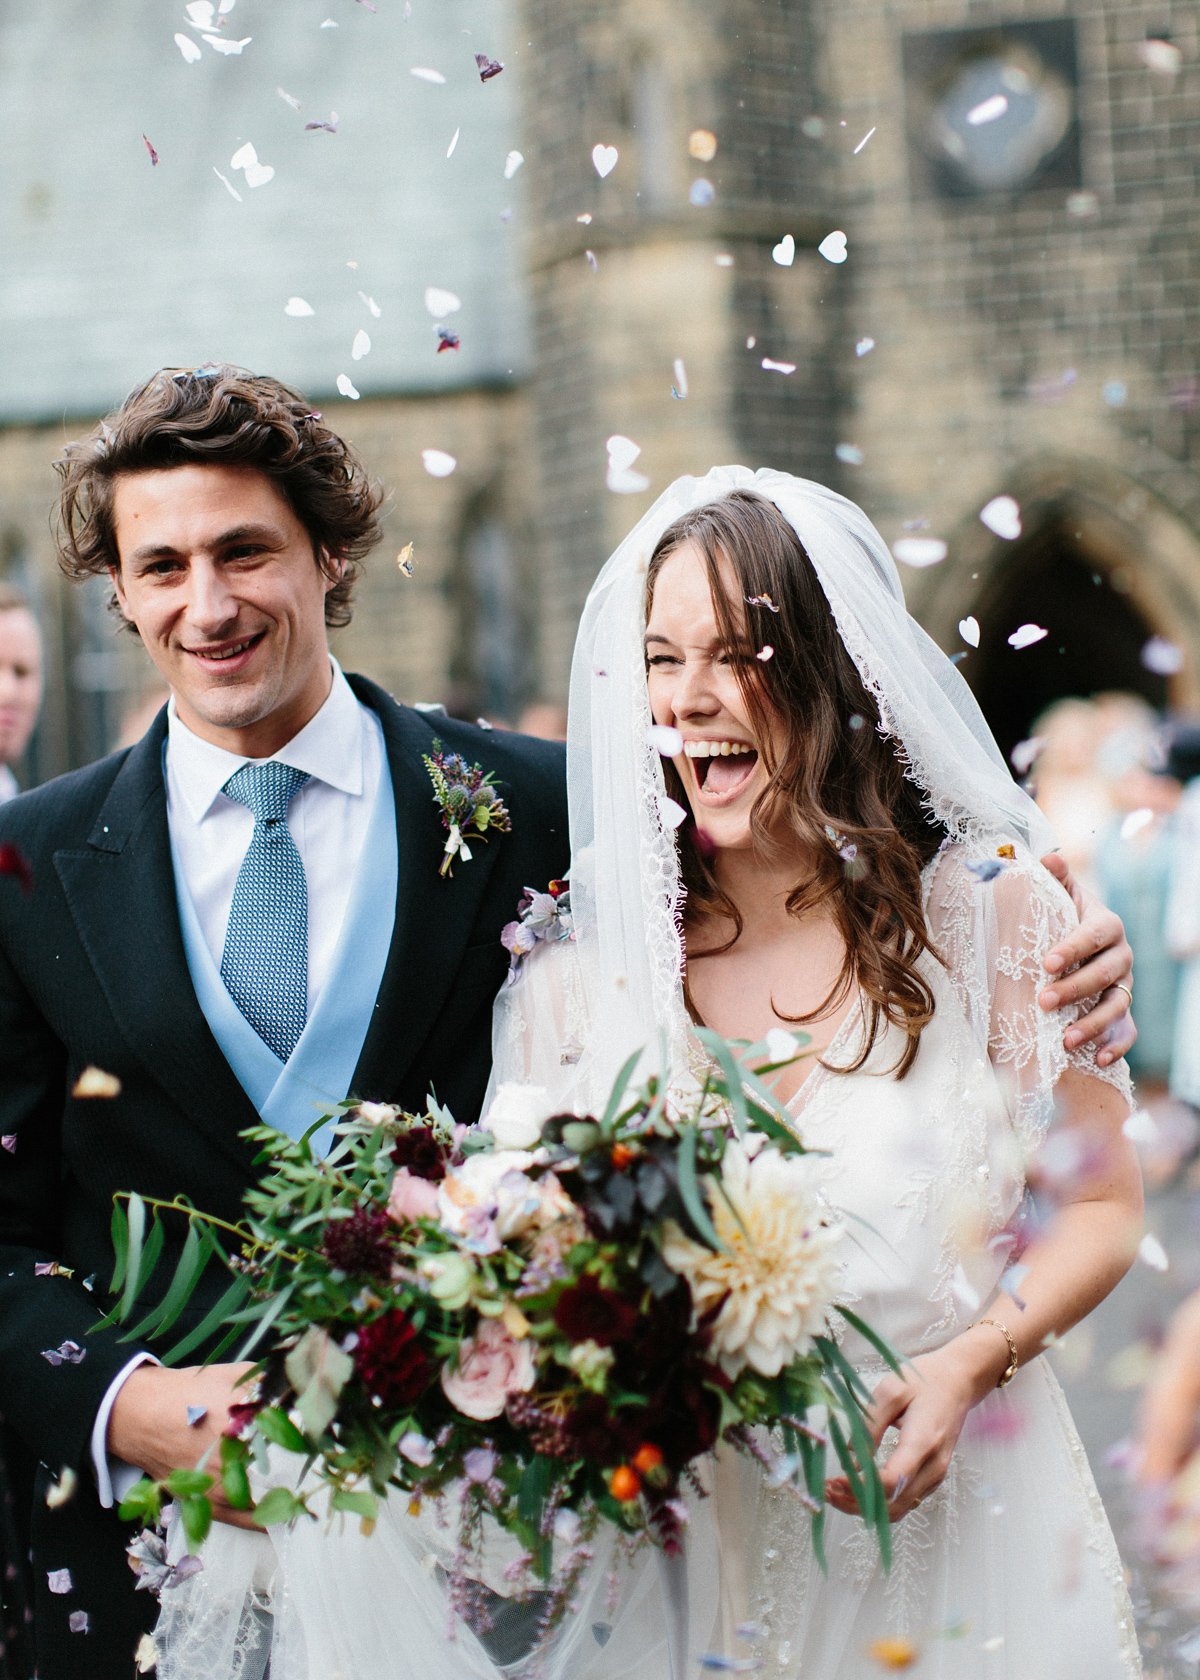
pixel 468 802
pixel 543 917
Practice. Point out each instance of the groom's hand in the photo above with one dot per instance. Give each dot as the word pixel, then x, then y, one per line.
pixel 1100 960
pixel 148 1424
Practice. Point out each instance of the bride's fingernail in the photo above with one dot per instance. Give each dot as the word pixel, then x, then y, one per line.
pixel 1049 1000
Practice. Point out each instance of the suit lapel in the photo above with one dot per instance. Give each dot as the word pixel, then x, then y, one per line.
pixel 434 917
pixel 121 893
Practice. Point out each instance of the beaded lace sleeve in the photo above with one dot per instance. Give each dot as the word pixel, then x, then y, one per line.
pixel 993 936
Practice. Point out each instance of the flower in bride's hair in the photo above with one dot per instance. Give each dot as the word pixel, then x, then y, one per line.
pixel 490 1366
pixel 771 1285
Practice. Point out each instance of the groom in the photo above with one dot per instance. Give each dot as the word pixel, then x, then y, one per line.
pixel 242 917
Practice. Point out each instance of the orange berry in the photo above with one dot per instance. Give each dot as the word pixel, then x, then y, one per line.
pixel 894 1653
pixel 622 1155
pixel 648 1457
pixel 624 1484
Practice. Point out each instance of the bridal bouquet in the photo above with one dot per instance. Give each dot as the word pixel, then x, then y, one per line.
pixel 538 1323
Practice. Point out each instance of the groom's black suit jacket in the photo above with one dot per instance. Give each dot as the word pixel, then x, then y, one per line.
pixel 93 971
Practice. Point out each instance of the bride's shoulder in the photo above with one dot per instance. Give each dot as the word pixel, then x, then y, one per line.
pixel 1001 879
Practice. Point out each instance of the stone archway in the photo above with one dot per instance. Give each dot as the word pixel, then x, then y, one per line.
pixel 1103 564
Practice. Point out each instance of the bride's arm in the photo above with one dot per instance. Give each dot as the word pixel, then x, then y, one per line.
pixel 1086 1250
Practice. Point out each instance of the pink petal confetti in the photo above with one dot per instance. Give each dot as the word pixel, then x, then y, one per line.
pixel 150 149
pixel 1026 635
pixel 59 1580
pixel 9 1143
pixel 765 652
pixel 447 340
pixel 487 67
pixel 77 1621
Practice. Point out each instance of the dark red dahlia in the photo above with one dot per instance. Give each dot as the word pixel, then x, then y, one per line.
pixel 589 1313
pixel 391 1362
pixel 419 1151
pixel 360 1245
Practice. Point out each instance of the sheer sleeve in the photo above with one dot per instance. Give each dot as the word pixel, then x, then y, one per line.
pixel 992 936
pixel 539 1029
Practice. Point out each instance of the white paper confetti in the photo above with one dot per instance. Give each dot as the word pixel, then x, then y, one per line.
pixel 1136 821
pixel 229 186
pixel 772 366
pixel 453 143
pixel 1161 56
pixel 1026 635
pixel 864 346
pixel 437 463
pixel 146 1655
pixel 440 302
pixel 724 259
pixel 288 98
pixel 680 387
pixel 246 159
pixel 58 1580
pixel 988 110
pixel 919 551
pixel 833 247
pixel 200 13
pixel 346 386
pixel 671 812
pixel 1003 516
pixel 1162 657
pixel 191 52
pixel 361 346
pixel 512 163
pixel 785 252
pixel 850 453
pixel 963 1290
pixel 863 141
pixel 664 739
pixel 765 652
pixel 62 1491
pixel 1152 1253
pixel 222 44
pixel 968 629
pixel 371 305
pixel 701 192
pixel 1023 754
pixel 424 74
pixel 328 24
pixel 604 160
pixel 622 453
pixel 297 306
pixel 781 1044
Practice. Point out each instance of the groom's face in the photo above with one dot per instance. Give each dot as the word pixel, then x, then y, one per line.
pixel 219 577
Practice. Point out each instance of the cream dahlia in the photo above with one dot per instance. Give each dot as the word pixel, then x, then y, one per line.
pixel 777 1275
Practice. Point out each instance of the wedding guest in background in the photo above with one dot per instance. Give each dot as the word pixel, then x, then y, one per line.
pixel 1071 790
pixel 1183 913
pixel 20 683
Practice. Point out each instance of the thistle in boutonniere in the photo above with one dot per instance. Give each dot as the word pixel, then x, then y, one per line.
pixel 468 801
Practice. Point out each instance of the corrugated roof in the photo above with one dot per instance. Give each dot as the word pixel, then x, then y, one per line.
pixel 111 266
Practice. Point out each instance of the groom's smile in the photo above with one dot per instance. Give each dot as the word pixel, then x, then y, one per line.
pixel 221 580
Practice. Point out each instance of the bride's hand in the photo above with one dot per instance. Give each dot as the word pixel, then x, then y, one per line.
pixel 1094 961
pixel 928 1406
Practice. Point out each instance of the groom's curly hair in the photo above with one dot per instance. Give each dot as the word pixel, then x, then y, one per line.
pixel 837 773
pixel 222 416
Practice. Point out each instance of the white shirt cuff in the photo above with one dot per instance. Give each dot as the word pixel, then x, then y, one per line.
pixel 114 1477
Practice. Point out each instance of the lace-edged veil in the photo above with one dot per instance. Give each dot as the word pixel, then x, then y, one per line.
pixel 626 893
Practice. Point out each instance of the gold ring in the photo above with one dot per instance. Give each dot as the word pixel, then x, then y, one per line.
pixel 1119 986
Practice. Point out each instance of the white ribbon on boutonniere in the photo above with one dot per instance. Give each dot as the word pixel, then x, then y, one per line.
pixel 455 846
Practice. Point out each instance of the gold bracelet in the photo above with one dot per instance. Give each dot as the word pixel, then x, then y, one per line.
pixel 1013 1359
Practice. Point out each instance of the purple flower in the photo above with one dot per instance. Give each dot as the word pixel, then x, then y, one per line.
pixel 479 1464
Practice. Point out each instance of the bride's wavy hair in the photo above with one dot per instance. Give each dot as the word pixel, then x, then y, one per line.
pixel 838 782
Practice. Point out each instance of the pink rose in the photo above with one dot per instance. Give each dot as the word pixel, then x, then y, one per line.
pixel 491 1365
pixel 411 1198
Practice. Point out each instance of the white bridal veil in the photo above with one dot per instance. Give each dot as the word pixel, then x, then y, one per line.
pixel 625 890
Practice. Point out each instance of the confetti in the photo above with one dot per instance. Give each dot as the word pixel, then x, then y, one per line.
pixel 330 127
pixel 864 346
pixel 1162 657
pixel 1082 204
pixel 994 1644
pixel 895 1653
pixel 986 870
pixel 150 149
pixel 751 342
pixel 702 145
pixel 439 302
pixel 850 453
pixel 447 340
pixel 246 159
pixel 405 559
pixel 14 862
pixel 9 1143
pixel 701 192
pixel 195 1415
pixel 1002 515
pixel 671 812
pixel 328 24
pixel 622 453
pixel 77 1621
pixel 62 1491
pixel 1164 57
pixel 371 305
pixel 1026 635
pixel 772 366
pixel 487 67
pixel 765 652
pixel 604 160
pixel 200 13
pixel 785 252
pixel 94 1082
pixel 191 52
pixel 219 43
pixel 591 261
pixel 724 259
pixel 1136 821
pixel 761 601
pixel 437 463
pixel 730 1665
pixel 51 1268
pixel 1115 392
pixel 833 247
pixel 781 1047
pixel 664 739
pixel 229 186
pixel 424 74
pixel 297 306
pixel 1023 754
pixel 863 141
pixel 919 551
pixel 512 163
pixel 288 98
pixel 968 629
pixel 1152 1253
pixel 680 387
pixel 346 386
pixel 67 1353
pixel 988 110
pixel 146 1655
pixel 361 346
pixel 586 218
pixel 59 1580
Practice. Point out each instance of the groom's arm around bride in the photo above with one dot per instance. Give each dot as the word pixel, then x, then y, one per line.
pixel 244 916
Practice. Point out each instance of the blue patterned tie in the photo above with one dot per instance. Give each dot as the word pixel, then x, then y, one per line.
pixel 265 961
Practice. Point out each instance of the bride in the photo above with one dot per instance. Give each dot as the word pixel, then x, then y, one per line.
pixel 788 813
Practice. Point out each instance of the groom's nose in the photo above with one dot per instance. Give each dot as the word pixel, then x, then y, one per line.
pixel 211 603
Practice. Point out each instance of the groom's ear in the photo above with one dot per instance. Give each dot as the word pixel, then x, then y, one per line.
pixel 332 566
pixel 118 594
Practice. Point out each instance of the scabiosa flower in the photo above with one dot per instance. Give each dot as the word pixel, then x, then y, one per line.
pixel 390 1361
pixel 360 1245
pixel 589 1313
pixel 419 1151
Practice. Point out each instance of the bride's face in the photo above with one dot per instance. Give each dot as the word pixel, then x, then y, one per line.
pixel 693 684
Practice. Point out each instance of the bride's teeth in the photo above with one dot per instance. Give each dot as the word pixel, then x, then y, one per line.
pixel 725 749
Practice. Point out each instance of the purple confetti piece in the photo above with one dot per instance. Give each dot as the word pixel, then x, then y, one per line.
pixel 77 1621
pixel 487 67
pixel 44 1268
pixel 59 1580
pixel 9 1142
pixel 52 1356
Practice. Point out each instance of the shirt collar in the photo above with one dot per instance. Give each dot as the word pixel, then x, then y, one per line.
pixel 329 748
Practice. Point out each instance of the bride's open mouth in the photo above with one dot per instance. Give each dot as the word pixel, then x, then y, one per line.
pixel 722 768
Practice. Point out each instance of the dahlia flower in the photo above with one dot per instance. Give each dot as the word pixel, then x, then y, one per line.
pixel 777 1275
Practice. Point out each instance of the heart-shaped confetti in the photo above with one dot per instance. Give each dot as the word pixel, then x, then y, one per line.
pixel 664 739
pixel 437 463
pixel 833 247
pixel 622 451
pixel 361 346
pixel 671 812
pixel 919 551
pixel 297 306
pixel 1003 516
pixel 785 252
pixel 440 302
pixel 968 629
pixel 604 158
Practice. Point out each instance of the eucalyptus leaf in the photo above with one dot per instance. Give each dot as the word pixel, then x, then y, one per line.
pixel 318 1370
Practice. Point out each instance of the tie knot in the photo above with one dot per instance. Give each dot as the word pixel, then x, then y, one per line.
pixel 266 789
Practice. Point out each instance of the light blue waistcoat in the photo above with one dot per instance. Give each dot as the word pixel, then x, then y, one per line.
pixel 320 1068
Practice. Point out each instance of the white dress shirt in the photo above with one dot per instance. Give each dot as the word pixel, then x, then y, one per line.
pixel 8 784
pixel 342 750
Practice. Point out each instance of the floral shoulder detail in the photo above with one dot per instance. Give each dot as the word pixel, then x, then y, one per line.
pixel 468 801
pixel 543 918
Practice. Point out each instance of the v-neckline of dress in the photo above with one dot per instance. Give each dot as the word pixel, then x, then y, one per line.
pixel 802 1098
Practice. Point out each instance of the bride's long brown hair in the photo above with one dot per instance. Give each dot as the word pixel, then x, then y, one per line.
pixel 837 771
